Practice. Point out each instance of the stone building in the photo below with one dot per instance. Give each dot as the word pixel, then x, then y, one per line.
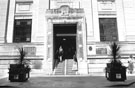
pixel 84 27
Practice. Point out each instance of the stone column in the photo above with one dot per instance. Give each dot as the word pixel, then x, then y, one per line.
pixel 121 24
pixel 49 49
pixel 95 20
pixel 10 21
pixel 81 49
pixel 4 7
pixel 89 19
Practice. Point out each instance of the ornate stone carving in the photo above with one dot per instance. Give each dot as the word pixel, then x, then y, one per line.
pixel 65 11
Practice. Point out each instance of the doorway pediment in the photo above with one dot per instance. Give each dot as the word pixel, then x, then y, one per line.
pixel 65 11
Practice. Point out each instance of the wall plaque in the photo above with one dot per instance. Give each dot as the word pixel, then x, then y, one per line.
pixel 106 5
pixel 91 49
pixel 101 51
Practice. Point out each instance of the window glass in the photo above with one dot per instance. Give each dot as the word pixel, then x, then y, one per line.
pixel 22 30
pixel 108 29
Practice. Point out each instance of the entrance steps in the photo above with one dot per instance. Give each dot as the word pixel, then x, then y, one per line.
pixel 65 68
pixel 69 66
pixel 60 70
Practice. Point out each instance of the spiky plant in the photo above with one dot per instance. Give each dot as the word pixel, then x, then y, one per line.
pixel 115 51
pixel 22 54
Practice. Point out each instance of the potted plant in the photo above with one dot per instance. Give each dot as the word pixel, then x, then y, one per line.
pixel 20 70
pixel 115 71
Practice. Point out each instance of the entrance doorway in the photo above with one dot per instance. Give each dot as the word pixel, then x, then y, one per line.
pixel 68 44
pixel 64 35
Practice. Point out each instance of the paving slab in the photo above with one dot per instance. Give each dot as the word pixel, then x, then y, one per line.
pixel 68 82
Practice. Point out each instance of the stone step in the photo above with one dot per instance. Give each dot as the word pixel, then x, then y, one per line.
pixel 60 69
pixel 69 70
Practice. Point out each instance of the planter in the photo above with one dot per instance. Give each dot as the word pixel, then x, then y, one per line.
pixel 18 72
pixel 115 73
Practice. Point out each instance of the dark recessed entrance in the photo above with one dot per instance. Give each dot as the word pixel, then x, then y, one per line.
pixel 65 36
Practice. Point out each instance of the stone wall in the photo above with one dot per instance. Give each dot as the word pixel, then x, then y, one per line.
pixel 9 55
pixel 3 19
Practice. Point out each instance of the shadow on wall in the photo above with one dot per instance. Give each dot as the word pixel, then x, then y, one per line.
pixel 37 64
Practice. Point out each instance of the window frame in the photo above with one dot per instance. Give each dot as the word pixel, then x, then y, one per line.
pixel 25 33
pixel 103 32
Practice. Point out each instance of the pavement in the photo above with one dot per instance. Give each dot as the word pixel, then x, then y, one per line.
pixel 68 82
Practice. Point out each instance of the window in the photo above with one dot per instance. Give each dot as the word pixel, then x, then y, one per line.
pixel 22 30
pixel 108 29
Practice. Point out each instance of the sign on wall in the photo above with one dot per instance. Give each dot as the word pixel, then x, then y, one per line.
pixel 30 50
pixel 101 51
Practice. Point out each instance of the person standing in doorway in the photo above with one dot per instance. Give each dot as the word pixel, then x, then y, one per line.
pixel 75 64
pixel 56 61
pixel 74 57
pixel 61 53
pixel 130 64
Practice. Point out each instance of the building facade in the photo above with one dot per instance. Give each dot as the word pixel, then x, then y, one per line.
pixel 82 27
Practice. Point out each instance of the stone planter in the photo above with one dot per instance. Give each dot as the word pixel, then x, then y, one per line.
pixel 115 73
pixel 19 73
